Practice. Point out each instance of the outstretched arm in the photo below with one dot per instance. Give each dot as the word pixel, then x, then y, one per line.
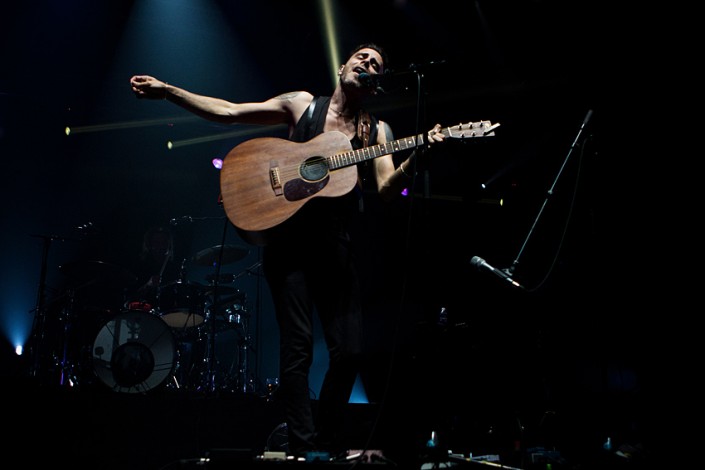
pixel 282 109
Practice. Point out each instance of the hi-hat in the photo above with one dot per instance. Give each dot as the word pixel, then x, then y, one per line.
pixel 215 255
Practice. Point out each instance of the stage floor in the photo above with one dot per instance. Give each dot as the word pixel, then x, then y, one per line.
pixel 169 429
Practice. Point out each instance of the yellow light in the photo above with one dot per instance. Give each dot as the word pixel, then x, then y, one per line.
pixel 128 125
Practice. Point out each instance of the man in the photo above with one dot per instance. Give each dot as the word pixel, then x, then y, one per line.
pixel 308 262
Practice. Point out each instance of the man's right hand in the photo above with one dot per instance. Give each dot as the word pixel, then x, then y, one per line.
pixel 145 86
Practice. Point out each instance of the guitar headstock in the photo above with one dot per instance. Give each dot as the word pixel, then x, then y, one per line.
pixel 472 129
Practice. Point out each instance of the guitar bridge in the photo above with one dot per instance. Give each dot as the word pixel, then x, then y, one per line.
pixel 274 179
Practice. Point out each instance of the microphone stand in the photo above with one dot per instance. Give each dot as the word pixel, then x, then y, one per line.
pixel 510 270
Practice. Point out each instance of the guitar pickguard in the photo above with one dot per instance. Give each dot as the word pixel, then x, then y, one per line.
pixel 298 189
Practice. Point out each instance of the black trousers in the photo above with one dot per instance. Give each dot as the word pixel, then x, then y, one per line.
pixel 308 275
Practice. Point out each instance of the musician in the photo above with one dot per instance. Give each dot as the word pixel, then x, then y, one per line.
pixel 308 260
pixel 154 267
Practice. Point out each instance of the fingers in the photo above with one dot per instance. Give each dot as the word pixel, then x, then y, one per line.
pixel 143 86
pixel 435 134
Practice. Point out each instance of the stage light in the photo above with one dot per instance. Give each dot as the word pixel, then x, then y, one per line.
pixel 126 125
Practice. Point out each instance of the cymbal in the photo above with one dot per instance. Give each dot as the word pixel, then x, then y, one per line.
pixel 97 271
pixel 181 284
pixel 211 256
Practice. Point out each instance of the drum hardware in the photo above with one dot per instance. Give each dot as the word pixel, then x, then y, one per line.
pixel 79 275
pixel 215 373
pixel 61 360
pixel 219 360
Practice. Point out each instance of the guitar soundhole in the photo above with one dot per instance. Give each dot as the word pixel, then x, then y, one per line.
pixel 314 168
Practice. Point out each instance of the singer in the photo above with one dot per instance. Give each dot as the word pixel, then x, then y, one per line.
pixel 308 259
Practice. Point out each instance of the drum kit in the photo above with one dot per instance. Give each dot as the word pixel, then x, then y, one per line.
pixel 192 336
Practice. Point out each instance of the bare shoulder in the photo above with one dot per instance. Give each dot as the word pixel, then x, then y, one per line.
pixel 295 98
pixel 384 133
pixel 295 102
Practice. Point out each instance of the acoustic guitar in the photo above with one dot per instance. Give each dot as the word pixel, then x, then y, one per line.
pixel 264 181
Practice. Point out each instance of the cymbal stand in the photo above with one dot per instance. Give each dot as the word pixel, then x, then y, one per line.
pixel 245 385
pixel 39 323
pixel 211 359
pixel 67 377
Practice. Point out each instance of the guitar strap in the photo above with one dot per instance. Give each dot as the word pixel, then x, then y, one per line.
pixel 363 133
pixel 363 127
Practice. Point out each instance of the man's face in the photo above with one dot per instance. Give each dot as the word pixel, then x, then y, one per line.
pixel 365 60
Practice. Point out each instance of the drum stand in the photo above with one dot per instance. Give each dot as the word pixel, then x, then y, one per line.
pixel 38 337
pixel 215 376
pixel 67 375
pixel 216 257
pixel 39 352
pixel 242 382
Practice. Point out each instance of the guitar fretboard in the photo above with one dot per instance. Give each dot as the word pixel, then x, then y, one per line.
pixel 462 131
pixel 353 157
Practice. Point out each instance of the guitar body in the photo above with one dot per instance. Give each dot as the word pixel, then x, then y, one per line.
pixel 264 181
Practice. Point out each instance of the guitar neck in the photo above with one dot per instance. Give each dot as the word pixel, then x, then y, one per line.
pixel 461 131
pixel 353 157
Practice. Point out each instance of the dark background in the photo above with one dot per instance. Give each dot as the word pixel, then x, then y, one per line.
pixel 574 344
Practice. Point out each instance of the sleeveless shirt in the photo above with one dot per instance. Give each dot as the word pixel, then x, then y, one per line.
pixel 322 215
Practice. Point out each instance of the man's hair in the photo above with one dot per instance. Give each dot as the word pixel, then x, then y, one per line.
pixel 371 45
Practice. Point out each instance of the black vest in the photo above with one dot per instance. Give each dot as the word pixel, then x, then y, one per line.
pixel 321 216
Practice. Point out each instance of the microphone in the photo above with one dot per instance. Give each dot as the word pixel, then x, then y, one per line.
pixel 186 219
pixel 371 81
pixel 481 264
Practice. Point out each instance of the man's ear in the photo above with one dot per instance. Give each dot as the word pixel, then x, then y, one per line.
pixel 340 70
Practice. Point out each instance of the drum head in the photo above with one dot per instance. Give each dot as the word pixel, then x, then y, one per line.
pixel 134 352
pixel 182 304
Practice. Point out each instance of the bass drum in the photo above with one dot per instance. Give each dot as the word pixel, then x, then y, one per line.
pixel 134 352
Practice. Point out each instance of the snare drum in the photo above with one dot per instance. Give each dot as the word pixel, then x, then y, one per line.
pixel 181 304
